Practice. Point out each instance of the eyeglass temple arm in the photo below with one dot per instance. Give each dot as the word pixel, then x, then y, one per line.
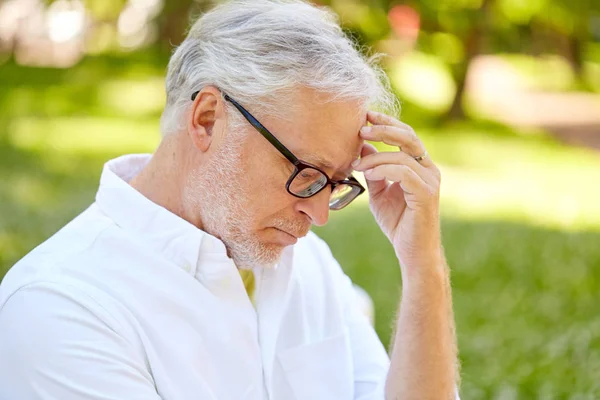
pixel 260 128
pixel 264 131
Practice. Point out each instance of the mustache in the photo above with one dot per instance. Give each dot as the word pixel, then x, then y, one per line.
pixel 295 228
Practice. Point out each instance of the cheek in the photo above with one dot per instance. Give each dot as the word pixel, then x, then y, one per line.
pixel 265 176
pixel 264 179
pixel 269 196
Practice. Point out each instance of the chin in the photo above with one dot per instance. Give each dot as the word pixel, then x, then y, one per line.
pixel 251 255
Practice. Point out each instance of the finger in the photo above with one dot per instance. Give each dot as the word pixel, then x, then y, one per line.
pixel 375 186
pixel 401 136
pixel 396 158
pixel 367 150
pixel 404 138
pixel 408 179
pixel 377 118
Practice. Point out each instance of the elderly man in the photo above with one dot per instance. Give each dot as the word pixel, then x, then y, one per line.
pixel 194 274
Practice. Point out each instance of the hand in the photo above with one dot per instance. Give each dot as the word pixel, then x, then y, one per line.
pixel 404 192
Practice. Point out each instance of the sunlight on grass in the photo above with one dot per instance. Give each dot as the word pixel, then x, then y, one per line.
pixel 77 135
pixel 30 191
pixel 509 197
pixel 134 97
pixel 485 176
pixel 511 178
pixel 536 180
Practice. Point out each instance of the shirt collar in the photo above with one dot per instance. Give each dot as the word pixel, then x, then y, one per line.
pixel 170 235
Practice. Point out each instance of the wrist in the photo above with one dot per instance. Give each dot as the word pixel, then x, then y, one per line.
pixel 431 269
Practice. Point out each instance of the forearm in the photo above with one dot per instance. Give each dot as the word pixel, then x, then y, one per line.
pixel 404 189
pixel 423 358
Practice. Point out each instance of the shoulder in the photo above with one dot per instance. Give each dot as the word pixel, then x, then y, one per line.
pixel 48 262
pixel 56 336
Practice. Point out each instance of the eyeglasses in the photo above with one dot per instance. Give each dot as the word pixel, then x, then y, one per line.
pixel 307 180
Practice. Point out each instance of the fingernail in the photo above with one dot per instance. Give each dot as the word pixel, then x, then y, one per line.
pixel 365 129
pixel 369 171
pixel 355 163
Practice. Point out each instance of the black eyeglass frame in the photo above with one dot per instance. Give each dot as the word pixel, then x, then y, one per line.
pixel 298 164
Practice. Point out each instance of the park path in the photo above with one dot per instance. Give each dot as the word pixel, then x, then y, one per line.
pixel 502 95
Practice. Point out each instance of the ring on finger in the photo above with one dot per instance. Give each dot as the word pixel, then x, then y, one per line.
pixel 422 156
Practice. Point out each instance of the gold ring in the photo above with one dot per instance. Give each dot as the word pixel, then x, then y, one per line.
pixel 422 156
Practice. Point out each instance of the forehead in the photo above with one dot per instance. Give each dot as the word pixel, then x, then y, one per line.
pixel 320 131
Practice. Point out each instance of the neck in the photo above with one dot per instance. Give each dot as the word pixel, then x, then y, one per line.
pixel 162 181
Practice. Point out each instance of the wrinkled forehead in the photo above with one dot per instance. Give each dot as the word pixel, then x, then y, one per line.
pixel 322 131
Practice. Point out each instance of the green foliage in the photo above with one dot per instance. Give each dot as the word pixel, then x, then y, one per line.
pixel 447 47
pixel 452 31
pixel 105 9
pixel 424 80
pixel 521 12
pixel 371 22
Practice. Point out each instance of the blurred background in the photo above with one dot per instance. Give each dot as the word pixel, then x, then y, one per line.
pixel 504 93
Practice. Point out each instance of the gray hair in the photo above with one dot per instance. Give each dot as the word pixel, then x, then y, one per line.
pixel 258 52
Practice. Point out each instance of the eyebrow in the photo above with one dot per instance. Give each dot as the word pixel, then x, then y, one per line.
pixel 323 163
pixel 320 162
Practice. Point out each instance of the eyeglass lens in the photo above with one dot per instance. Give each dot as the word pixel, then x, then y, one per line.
pixel 310 181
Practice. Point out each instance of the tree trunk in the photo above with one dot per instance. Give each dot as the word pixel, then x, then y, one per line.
pixel 472 41
pixel 574 54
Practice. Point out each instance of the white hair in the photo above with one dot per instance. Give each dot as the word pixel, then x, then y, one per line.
pixel 260 51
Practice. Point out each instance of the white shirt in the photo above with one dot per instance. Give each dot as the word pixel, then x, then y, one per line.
pixel 129 301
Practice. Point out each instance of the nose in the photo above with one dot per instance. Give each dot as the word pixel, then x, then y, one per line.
pixel 316 207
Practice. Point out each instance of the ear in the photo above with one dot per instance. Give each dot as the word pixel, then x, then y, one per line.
pixel 206 111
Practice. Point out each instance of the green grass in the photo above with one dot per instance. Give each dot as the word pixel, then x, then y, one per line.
pixel 525 298
pixel 521 223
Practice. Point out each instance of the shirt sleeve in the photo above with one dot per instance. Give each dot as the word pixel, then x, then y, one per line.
pixel 54 347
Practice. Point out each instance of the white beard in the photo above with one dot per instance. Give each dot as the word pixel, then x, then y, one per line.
pixel 214 191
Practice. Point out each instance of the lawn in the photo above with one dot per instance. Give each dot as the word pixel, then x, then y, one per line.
pixel 521 221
